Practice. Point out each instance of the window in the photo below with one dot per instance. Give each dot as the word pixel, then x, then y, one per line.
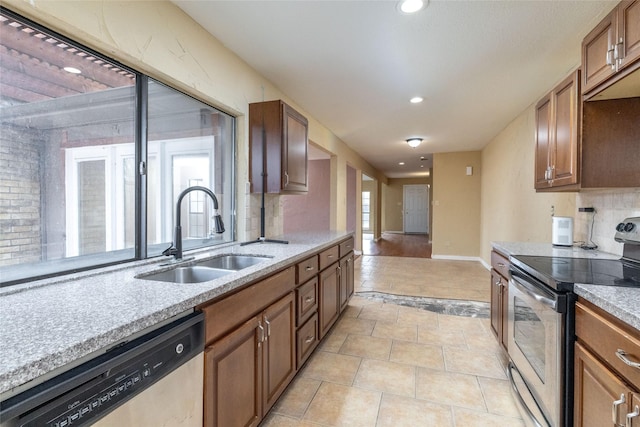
pixel 366 210
pixel 84 174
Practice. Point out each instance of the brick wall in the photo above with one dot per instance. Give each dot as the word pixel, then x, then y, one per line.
pixel 20 205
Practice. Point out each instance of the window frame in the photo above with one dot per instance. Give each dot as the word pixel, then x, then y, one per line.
pixel 73 264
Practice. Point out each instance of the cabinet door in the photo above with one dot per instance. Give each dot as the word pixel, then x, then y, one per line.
pixel 629 31
pixel 504 313
pixel 596 391
pixel 543 143
pixel 634 409
pixel 350 276
pixel 346 280
pixel 597 53
pixel 565 137
pixel 496 305
pixel 279 353
pixel 329 307
pixel 294 151
pixel 342 273
pixel 233 378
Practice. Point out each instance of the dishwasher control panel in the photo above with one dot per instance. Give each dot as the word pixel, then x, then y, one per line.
pixel 92 390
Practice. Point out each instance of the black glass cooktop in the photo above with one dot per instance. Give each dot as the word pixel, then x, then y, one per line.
pixel 562 273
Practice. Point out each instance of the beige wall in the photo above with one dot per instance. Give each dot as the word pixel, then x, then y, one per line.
pixel 456 205
pixel 393 199
pixel 511 209
pixel 157 38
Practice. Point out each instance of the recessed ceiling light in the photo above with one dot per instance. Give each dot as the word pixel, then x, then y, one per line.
pixel 411 6
pixel 72 70
pixel 416 100
pixel 401 163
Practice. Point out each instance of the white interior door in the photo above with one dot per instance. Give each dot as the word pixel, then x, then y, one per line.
pixel 416 208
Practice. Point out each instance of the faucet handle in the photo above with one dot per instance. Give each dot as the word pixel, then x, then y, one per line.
pixel 171 250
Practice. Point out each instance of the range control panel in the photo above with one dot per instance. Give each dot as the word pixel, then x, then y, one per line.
pixel 628 231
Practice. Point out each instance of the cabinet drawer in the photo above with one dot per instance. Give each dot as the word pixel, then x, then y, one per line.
pixel 307 339
pixel 605 335
pixel 346 247
pixel 222 316
pixel 329 256
pixel 306 269
pixel 306 301
pixel 500 263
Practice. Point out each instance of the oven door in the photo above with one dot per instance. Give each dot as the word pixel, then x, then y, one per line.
pixel 535 345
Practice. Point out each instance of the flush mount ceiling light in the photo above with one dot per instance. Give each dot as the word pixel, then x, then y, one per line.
pixel 401 163
pixel 72 70
pixel 414 142
pixel 411 6
pixel 416 100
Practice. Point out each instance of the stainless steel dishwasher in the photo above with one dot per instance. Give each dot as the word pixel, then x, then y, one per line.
pixel 154 380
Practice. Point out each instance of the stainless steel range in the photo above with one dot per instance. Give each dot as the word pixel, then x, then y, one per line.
pixel 541 323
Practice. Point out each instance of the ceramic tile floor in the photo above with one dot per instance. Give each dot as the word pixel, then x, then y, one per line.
pixel 435 278
pixel 387 365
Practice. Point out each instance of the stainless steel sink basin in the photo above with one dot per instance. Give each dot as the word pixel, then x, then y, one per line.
pixel 232 262
pixel 192 274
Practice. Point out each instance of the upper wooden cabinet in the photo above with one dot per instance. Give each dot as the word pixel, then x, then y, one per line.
pixel 612 49
pixel 280 132
pixel 558 136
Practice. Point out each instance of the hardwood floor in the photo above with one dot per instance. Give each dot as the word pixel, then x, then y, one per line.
pixel 395 244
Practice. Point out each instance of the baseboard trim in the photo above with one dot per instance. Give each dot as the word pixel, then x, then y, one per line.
pixel 457 258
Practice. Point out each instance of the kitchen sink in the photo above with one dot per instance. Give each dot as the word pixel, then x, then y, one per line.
pixel 192 274
pixel 232 262
pixel 208 269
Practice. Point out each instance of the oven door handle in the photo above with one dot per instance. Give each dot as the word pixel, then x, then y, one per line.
pixel 534 293
pixel 510 368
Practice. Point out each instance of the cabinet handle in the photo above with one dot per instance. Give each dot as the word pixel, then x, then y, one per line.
pixel 309 268
pixel 499 282
pixel 260 334
pixel 631 416
pixel 268 327
pixel 309 339
pixel 501 264
pixel 614 409
pixel 619 52
pixel 286 179
pixel 610 57
pixel 309 300
pixel 622 355
pixel 329 256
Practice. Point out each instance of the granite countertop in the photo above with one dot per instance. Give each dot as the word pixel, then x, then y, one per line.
pixel 622 302
pixel 48 326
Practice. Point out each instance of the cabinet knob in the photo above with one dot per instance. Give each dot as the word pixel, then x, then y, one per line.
pixel 614 408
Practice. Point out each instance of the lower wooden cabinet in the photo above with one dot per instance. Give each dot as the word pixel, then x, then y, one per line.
pixel 606 389
pixel 346 280
pixel 258 337
pixel 599 394
pixel 499 297
pixel 247 370
pixel 329 294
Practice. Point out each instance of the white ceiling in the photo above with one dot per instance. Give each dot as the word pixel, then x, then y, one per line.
pixel 354 65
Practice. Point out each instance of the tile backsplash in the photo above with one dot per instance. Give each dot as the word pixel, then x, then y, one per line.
pixel 612 206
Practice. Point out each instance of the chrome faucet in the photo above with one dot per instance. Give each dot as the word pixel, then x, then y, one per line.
pixel 176 248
